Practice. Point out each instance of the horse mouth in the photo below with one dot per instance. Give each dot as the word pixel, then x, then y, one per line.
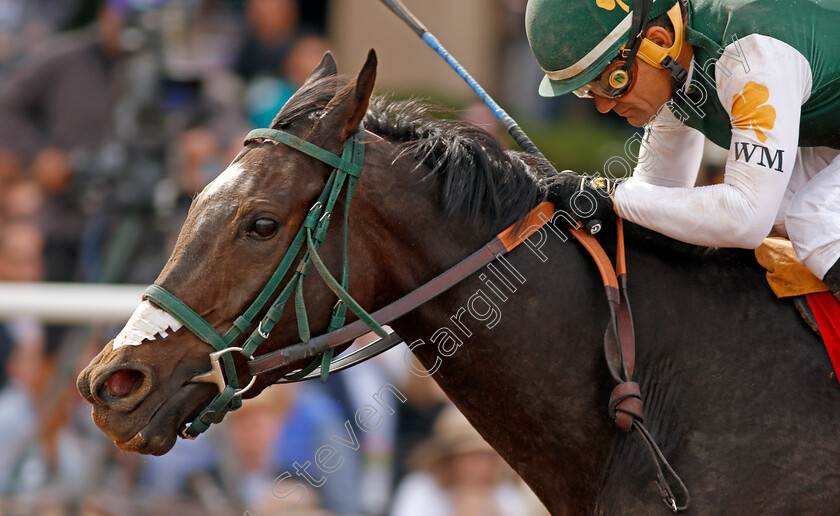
pixel 160 432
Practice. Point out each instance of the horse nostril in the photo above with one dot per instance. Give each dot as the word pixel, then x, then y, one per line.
pixel 120 387
pixel 122 382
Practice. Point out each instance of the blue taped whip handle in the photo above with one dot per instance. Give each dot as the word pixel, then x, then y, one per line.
pixel 512 127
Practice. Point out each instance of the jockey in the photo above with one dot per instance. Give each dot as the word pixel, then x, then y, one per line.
pixel 759 78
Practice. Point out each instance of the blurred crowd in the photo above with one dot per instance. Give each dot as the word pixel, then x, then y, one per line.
pixel 113 114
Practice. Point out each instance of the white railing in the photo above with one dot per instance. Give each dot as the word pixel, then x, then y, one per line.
pixel 69 303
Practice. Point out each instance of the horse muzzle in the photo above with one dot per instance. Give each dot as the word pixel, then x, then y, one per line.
pixel 139 403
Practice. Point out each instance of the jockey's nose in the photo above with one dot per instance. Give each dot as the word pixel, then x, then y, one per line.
pixel 604 104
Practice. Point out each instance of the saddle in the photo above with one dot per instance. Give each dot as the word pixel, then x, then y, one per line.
pixel 788 277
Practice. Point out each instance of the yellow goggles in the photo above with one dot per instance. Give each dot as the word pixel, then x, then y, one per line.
pixel 613 82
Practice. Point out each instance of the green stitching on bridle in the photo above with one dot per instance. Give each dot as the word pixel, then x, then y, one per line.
pixel 347 170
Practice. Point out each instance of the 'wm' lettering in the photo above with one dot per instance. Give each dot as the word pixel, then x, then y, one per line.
pixel 765 158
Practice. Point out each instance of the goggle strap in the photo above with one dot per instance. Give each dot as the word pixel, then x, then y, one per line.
pixel 641 11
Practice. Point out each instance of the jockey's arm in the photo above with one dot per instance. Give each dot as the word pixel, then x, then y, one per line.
pixel 670 153
pixel 764 107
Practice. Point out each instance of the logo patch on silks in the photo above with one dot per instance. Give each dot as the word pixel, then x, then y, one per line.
pixel 748 111
pixel 609 5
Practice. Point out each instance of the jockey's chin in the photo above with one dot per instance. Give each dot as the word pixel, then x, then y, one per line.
pixel 637 119
pixel 634 115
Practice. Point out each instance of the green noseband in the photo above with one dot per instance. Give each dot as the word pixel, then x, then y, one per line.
pixel 347 170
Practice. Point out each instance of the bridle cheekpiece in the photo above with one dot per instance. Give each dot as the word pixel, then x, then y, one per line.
pixel 347 169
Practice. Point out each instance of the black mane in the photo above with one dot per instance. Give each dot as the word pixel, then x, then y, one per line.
pixel 479 178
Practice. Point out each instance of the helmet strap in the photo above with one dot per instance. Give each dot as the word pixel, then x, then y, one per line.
pixel 652 53
pixel 641 11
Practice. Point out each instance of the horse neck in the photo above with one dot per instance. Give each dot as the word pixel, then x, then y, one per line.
pixel 406 233
pixel 527 371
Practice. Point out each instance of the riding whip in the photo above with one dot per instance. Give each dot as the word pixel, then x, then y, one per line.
pixel 509 123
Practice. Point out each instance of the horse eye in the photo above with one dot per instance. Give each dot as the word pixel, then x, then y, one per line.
pixel 263 228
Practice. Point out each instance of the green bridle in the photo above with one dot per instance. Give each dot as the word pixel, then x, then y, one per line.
pixel 347 170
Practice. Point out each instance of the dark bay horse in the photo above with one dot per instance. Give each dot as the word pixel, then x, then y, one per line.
pixel 739 393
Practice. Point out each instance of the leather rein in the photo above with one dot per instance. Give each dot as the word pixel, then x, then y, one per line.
pixel 625 405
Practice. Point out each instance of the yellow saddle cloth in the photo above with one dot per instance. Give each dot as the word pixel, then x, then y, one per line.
pixel 785 273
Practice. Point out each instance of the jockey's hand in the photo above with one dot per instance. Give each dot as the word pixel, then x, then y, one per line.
pixel 584 198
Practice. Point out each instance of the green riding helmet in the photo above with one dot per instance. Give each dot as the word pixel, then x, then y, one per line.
pixel 574 40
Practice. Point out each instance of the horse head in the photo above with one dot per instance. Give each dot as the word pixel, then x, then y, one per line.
pixel 236 233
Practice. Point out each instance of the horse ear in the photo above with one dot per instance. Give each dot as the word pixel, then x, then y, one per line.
pixel 326 68
pixel 342 115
